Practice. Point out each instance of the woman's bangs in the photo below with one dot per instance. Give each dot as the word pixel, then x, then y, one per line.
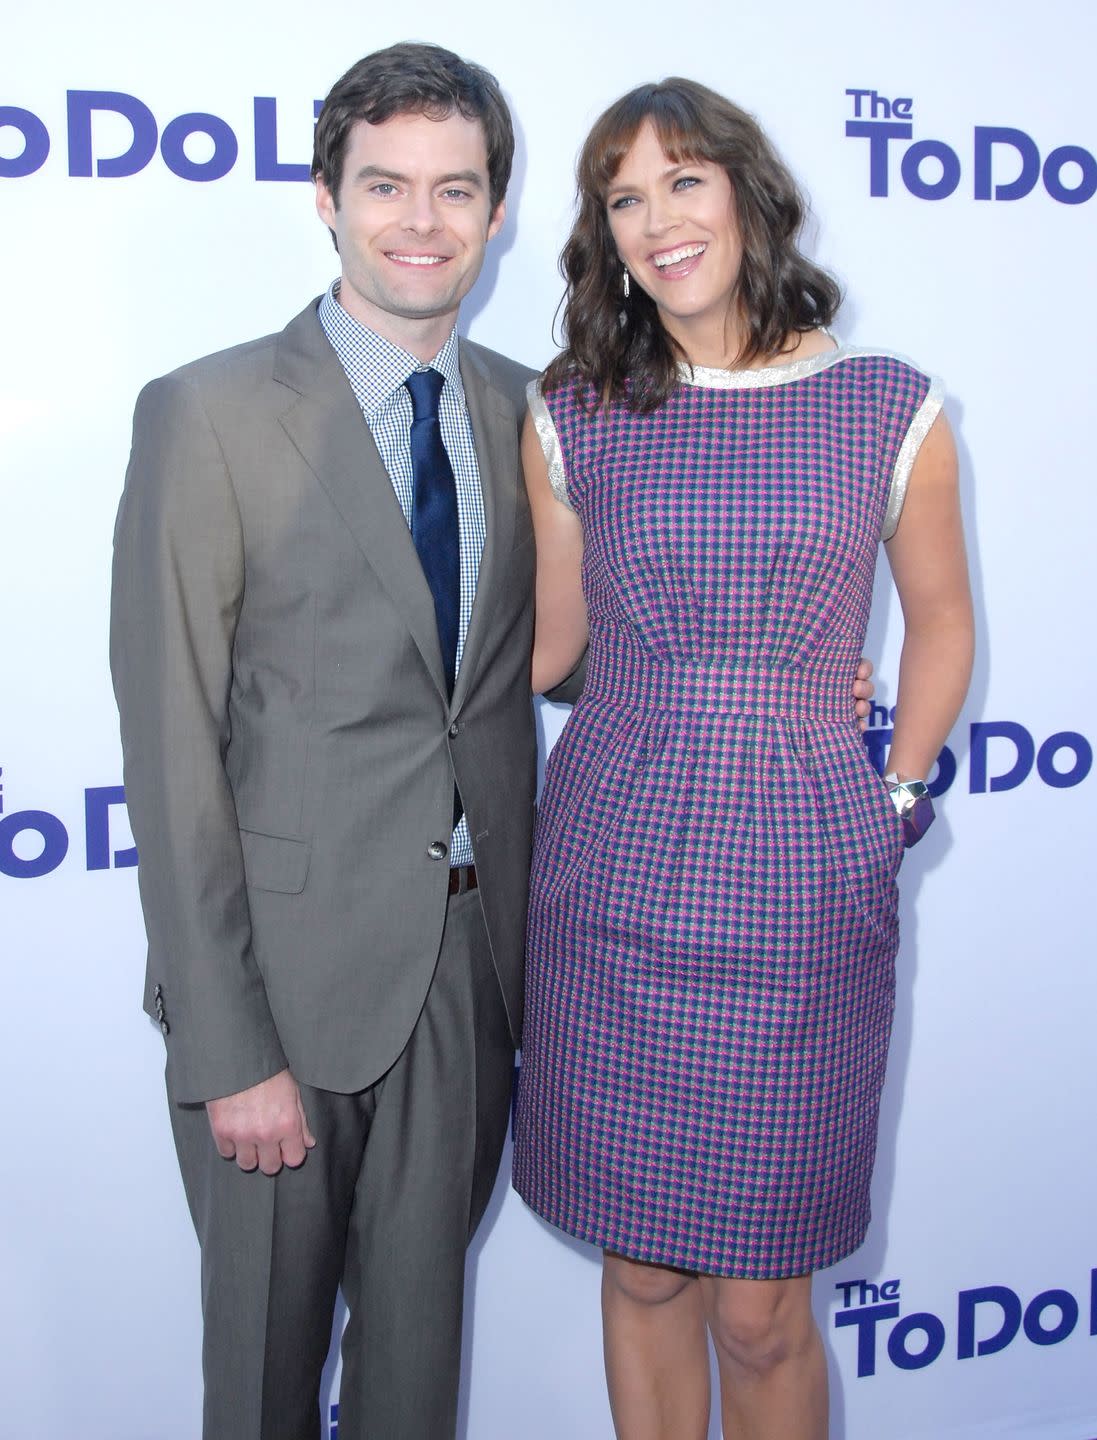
pixel 670 115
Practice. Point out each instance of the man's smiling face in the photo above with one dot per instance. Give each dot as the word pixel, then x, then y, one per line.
pixel 412 216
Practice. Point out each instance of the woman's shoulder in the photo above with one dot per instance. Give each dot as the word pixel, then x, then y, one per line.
pixel 821 349
pixel 825 349
pixel 562 392
pixel 867 370
pixel 882 360
pixel 805 345
pixel 874 366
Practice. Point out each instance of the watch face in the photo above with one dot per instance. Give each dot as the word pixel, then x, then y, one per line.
pixel 911 799
pixel 917 817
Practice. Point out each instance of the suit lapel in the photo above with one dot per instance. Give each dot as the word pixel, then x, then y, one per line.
pixel 495 434
pixel 327 428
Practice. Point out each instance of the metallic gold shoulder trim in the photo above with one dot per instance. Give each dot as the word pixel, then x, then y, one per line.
pixel 706 377
pixel 928 411
pixel 550 442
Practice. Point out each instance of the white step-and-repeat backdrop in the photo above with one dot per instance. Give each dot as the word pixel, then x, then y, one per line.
pixel 153 208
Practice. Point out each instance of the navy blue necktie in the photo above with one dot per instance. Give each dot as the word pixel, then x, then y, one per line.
pixel 434 526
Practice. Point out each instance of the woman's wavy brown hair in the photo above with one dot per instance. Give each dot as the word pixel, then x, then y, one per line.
pixel 620 347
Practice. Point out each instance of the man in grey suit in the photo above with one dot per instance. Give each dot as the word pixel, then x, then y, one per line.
pixel 321 630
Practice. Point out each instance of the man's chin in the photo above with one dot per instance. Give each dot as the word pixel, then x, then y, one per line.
pixel 413 303
pixel 421 307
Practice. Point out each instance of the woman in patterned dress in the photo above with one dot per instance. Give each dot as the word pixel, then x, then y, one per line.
pixel 713 913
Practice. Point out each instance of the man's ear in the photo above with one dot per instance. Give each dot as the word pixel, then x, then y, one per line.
pixel 325 202
pixel 326 207
pixel 499 214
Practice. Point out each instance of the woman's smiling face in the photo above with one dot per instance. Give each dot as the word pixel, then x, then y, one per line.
pixel 676 227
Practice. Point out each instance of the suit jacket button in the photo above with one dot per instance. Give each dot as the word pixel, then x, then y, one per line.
pixel 454 730
pixel 436 850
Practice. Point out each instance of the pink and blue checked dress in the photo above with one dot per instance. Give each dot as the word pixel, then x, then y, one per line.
pixel 713 913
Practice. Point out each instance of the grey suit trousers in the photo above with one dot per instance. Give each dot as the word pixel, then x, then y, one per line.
pixel 383 1206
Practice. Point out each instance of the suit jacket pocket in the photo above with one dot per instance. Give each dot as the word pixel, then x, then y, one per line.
pixel 274 862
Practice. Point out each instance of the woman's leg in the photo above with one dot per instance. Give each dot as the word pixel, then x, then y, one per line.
pixel 773 1374
pixel 656 1349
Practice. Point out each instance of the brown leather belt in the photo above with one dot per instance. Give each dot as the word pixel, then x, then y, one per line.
pixel 462 878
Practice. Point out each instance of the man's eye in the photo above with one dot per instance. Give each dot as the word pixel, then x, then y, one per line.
pixel 456 194
pixel 383 187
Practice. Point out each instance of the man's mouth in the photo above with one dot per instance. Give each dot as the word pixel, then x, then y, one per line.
pixel 402 259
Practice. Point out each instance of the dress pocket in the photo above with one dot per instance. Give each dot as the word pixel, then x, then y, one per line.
pixel 857 822
pixel 589 818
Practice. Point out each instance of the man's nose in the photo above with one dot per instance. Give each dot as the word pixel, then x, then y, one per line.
pixel 422 215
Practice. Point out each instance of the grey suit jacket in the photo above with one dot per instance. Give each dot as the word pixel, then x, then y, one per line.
pixel 290 751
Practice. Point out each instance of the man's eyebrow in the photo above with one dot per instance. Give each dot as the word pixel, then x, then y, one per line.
pixel 378 172
pixel 466 177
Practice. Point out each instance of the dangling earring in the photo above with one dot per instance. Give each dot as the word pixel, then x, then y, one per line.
pixel 626 281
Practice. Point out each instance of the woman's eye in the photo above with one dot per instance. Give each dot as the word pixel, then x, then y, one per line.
pixel 622 202
pixel 686 182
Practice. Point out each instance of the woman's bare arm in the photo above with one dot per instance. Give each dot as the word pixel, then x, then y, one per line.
pixel 927 560
pixel 560 630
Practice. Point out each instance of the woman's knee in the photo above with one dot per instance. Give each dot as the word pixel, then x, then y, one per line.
pixel 642 1284
pixel 756 1325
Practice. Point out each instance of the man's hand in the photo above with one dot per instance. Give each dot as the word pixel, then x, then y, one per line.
pixel 863 691
pixel 262 1128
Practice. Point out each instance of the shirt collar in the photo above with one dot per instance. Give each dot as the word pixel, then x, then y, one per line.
pixel 375 367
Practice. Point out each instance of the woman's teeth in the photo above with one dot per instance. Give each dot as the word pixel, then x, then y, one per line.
pixel 675 257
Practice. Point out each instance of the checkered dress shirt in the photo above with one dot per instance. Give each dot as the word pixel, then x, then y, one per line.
pixel 377 369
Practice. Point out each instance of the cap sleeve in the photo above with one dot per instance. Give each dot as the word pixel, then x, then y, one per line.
pixel 550 442
pixel 916 431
